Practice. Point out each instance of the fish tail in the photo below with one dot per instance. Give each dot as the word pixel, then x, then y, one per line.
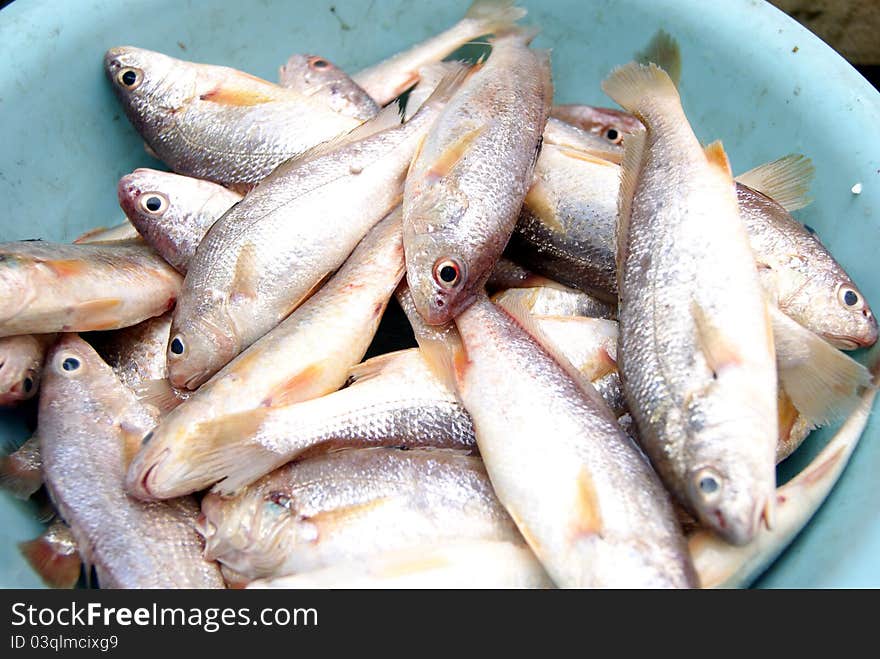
pixel 823 383
pixel 57 563
pixel 638 87
pixel 493 16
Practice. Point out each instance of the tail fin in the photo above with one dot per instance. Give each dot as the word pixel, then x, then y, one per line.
pixel 54 556
pixel 663 50
pixel 823 383
pixel 445 89
pixel 494 15
pixel 430 77
pixel 632 84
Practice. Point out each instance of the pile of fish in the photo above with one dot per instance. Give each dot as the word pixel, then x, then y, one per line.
pixel 659 334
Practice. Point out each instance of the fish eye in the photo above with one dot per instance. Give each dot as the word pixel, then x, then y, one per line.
pixel 27 385
pixel 129 77
pixel 70 364
pixel 708 483
pixel 177 346
pixel 613 135
pixel 447 273
pixel 849 297
pixel 147 438
pixel 279 499
pixel 154 203
pixel 318 63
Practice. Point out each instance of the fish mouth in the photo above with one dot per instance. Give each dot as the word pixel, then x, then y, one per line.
pixel 847 342
pixel 128 192
pixel 138 483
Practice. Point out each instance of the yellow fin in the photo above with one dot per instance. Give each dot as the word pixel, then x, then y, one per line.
pixel 577 154
pixel 630 172
pixel 53 556
pixel 823 383
pixel 587 513
pixel 717 157
pixel 245 278
pixel 298 388
pixel 100 314
pixel 159 394
pixel 67 267
pixel 374 366
pixel 388 117
pixel 663 50
pixel 716 349
pixel 635 85
pixel 453 153
pixel 227 93
pixel 430 77
pixel 786 181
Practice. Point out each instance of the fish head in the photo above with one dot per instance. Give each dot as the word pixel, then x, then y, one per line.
pixel 199 346
pixel 151 86
pixel 729 497
pixel 252 531
pixel 834 308
pixel 444 273
pixel 309 73
pixel 19 373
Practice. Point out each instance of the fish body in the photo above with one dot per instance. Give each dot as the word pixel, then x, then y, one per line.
pixel 389 78
pixel 566 227
pixel 461 565
pixel 582 494
pixel 351 505
pixel 306 356
pixel 172 212
pixel 216 123
pixel 316 76
pixel 467 183
pixel 696 350
pixel 90 424
pixel 558 301
pixel 77 288
pixel 265 256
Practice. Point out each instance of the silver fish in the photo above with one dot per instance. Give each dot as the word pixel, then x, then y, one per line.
pixel 214 122
pixel 77 288
pixel 265 256
pixel 89 424
pixel 467 183
pixel 172 212
pixel 350 505
pixel 558 301
pixel 696 347
pixel 581 492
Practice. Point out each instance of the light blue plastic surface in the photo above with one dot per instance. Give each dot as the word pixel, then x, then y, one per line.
pixel 751 76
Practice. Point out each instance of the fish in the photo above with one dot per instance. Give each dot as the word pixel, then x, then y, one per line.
pixel 214 122
pixel 722 565
pixel 173 212
pixel 54 287
pixel 565 230
pixel 582 494
pixel 318 77
pixel 467 183
pixel 507 274
pixel 797 271
pixel 464 565
pixel 21 472
pixel 54 556
pixel 609 124
pixel 137 356
pixel 306 356
pixel 696 351
pixel 265 256
pixel 21 362
pixel 389 78
pixel 90 425
pixel 350 505
pixel 558 301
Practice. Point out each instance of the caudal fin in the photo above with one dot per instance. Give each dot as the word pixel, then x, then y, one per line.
pixel 636 87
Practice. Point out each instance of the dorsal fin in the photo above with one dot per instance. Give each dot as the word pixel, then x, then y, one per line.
pixel 630 170
pixel 786 180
